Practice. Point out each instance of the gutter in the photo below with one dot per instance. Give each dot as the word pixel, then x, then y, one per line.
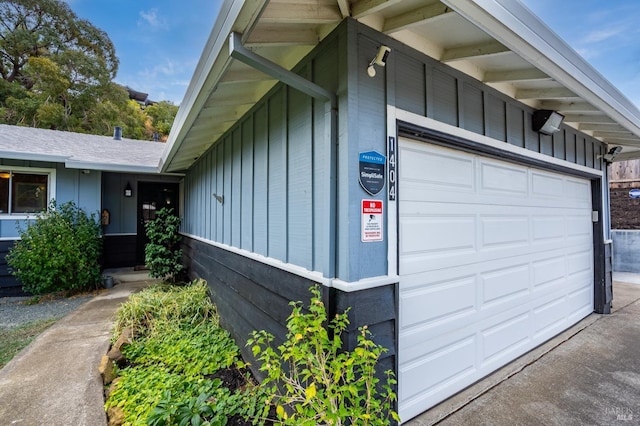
pixel 241 53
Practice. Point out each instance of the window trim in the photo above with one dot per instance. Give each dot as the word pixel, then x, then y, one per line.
pixel 51 187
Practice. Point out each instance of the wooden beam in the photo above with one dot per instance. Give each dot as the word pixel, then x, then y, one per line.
pixel 474 51
pixel 515 75
pixel 618 141
pixel 244 75
pixel 282 35
pixel 551 93
pixel 415 17
pixel 367 7
pixel 345 10
pixel 621 136
pixel 602 127
pixel 306 13
pixel 569 107
pixel 583 118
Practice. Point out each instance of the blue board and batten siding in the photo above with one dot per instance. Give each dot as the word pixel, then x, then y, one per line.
pixel 261 187
pixel 270 176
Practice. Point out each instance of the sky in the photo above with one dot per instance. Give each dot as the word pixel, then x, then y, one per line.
pixel 159 42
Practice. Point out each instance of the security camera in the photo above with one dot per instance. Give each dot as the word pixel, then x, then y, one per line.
pixel 380 59
pixel 611 154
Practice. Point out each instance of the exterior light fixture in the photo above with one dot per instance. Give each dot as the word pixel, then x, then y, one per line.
pixel 128 192
pixel 547 121
pixel 380 59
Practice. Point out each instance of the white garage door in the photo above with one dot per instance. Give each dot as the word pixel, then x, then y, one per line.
pixel 495 258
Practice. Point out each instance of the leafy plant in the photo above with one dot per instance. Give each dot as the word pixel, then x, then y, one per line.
pixel 162 254
pixel 174 364
pixel 312 381
pixel 59 250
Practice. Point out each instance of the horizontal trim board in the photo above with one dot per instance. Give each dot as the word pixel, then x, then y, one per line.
pixel 414 126
pixel 336 283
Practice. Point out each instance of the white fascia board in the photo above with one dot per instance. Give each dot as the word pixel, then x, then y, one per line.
pixel 203 82
pixel 110 167
pixel 31 156
pixel 515 26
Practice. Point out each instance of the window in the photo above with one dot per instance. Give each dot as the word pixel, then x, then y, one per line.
pixel 23 192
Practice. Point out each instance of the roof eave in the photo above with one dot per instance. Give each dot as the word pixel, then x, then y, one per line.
pixel 515 26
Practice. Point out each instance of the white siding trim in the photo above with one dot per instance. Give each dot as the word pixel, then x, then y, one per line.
pixel 316 276
pixel 430 123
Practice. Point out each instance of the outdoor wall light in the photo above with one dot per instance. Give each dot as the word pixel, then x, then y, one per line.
pixel 128 192
pixel 380 59
pixel 547 121
pixel 611 154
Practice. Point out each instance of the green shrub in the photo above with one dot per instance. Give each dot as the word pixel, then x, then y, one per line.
pixel 312 381
pixel 162 254
pixel 59 250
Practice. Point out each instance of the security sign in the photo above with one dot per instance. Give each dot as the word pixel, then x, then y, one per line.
pixel 371 220
pixel 372 171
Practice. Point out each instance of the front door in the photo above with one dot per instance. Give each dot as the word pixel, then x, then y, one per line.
pixel 153 196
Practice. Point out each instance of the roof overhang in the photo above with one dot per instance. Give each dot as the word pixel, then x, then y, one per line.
pixel 499 42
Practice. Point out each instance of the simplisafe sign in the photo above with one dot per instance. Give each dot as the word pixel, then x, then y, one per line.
pixel 372 171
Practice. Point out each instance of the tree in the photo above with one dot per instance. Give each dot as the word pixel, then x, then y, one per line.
pixel 162 115
pixel 49 28
pixel 57 72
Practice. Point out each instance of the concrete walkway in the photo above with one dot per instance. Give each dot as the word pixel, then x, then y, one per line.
pixel 588 375
pixel 55 380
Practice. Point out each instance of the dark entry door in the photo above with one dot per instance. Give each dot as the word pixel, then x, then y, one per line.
pixel 153 196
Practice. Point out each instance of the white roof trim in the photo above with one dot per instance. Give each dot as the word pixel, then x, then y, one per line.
pixel 109 167
pixel 51 158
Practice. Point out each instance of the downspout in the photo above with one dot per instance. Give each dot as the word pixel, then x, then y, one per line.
pixel 241 53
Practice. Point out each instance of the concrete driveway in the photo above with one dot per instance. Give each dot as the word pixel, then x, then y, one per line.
pixel 588 375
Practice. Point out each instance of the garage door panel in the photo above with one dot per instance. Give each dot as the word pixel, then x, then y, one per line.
pixel 578 191
pixel 548 270
pixel 579 226
pixel 437 170
pixel 504 337
pixel 546 186
pixel 438 302
pixel 579 262
pixel 495 266
pixel 548 228
pixel 437 233
pixel 498 178
pixel 499 230
pixel 445 361
pixel 549 317
pixel 487 258
pixel 497 285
